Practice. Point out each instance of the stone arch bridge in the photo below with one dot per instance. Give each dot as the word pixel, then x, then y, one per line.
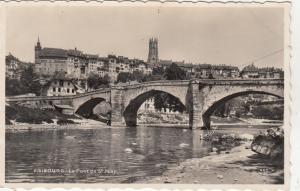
pixel 200 97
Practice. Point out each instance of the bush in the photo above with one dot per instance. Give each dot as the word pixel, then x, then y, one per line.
pixel 65 122
pixel 34 116
pixel 275 113
pixel 7 121
pixel 10 112
pixel 28 83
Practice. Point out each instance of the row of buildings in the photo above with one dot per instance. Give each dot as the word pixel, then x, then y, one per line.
pixel 64 67
pixel 76 64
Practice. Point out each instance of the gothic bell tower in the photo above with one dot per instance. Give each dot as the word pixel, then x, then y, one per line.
pixel 37 51
pixel 153 52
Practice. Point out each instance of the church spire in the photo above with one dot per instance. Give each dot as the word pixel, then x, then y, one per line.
pixel 38 44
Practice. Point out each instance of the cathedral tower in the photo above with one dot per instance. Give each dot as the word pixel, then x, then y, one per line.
pixel 153 52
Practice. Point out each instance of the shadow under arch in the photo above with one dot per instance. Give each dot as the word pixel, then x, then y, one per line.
pixel 130 112
pixel 206 115
pixel 86 109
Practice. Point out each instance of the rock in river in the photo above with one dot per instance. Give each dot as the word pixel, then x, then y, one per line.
pixel 270 143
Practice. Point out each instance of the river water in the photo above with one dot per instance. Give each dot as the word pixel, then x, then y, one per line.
pixel 110 155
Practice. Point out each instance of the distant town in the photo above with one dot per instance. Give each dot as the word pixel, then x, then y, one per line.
pixel 61 72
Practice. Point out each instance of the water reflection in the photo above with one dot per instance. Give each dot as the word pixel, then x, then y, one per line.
pixel 119 154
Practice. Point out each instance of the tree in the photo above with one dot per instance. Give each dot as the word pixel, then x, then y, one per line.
pixel 165 100
pixel 174 72
pixel 28 83
pixel 125 77
pixel 13 87
pixel 210 76
pixel 94 81
pixel 138 76
pixel 158 71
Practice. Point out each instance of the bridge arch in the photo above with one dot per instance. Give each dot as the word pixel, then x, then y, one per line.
pixel 211 106
pixel 131 109
pixel 86 108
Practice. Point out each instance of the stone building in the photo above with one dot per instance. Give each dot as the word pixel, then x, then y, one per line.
pixel 59 87
pixel 14 67
pixel 204 70
pixel 77 65
pixel 251 71
pixel 148 105
pixel 120 64
pixel 49 61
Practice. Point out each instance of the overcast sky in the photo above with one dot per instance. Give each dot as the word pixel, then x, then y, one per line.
pixel 232 36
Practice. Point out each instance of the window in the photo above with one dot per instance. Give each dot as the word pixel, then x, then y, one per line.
pixel 68 91
pixel 58 89
pixel 73 90
pixel 61 82
pixel 54 89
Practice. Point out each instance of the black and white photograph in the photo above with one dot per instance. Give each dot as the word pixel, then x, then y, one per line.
pixel 147 94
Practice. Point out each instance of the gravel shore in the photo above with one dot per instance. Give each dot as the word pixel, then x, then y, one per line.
pixel 239 166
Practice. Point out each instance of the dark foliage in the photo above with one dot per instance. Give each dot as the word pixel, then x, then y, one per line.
pixel 34 116
pixel 174 72
pixel 65 122
pixel 94 81
pixel 165 100
pixel 28 83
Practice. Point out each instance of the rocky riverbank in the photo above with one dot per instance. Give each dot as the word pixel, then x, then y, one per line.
pixel 240 165
pixel 257 160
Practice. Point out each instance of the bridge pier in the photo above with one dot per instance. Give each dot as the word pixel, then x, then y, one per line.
pixel 196 118
pixel 130 119
pixel 117 106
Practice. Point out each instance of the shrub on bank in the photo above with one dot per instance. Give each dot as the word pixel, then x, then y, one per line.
pixel 7 121
pixel 65 122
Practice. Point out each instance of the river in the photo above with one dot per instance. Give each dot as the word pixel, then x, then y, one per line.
pixel 107 155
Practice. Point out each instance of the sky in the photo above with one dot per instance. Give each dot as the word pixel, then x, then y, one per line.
pixel 213 35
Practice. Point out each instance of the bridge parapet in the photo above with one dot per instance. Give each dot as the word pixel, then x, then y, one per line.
pixel 239 81
pixel 38 98
pixel 153 83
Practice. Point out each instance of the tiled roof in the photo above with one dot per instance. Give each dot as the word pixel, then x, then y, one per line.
pixel 60 53
pixel 250 68
pixel 54 52
pixel 225 67
pixel 75 53
pixel 92 56
pixel 11 57
pixel 270 69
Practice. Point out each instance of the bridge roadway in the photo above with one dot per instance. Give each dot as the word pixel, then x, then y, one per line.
pixel 200 97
